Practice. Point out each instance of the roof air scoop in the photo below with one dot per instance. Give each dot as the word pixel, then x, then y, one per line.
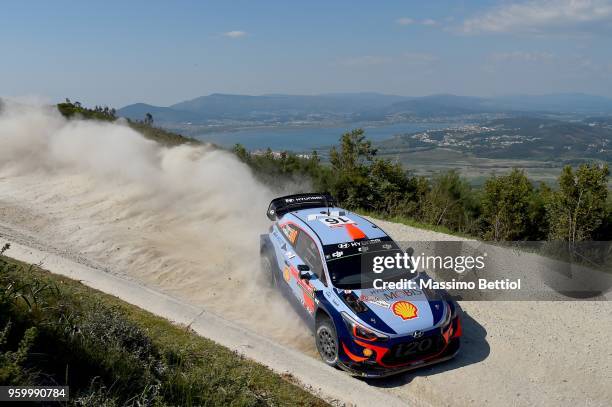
pixel 280 206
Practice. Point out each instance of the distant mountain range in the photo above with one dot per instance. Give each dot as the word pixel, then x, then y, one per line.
pixel 338 107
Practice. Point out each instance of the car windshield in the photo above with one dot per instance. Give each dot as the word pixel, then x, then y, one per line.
pixel 350 264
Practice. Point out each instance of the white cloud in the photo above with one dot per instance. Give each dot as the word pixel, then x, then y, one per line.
pixel 410 21
pixel 564 65
pixel 405 59
pixel 539 16
pixel 404 21
pixel 418 59
pixel 367 60
pixel 235 34
pixel 521 56
pixel 584 65
pixel 520 60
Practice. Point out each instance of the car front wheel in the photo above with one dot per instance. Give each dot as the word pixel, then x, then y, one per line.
pixel 327 341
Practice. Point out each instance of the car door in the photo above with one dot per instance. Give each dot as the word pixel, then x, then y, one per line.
pixel 289 261
pixel 307 253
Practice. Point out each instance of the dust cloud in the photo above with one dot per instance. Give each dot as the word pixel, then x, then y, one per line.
pixel 184 219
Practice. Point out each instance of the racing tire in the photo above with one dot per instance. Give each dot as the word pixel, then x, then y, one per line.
pixel 326 340
pixel 267 270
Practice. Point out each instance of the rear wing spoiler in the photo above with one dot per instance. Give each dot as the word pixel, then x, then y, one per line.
pixel 280 206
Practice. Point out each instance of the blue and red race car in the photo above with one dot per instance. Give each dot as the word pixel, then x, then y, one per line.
pixel 313 254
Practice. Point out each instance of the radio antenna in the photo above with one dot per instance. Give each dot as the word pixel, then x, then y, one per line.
pixel 326 203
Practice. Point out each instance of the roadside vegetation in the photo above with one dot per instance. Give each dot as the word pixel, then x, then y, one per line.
pixel 507 208
pixel 146 127
pixel 56 331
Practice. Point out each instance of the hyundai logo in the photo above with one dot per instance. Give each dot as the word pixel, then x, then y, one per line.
pixel 417 334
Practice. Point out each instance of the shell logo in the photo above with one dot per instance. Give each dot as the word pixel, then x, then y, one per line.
pixel 405 310
pixel 286 274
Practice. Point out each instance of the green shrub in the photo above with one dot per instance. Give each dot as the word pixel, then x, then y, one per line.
pixel 507 208
pixel 579 207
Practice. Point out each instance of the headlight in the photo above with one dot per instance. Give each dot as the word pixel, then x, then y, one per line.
pixel 361 332
pixel 447 317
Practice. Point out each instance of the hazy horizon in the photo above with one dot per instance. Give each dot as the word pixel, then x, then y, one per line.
pixel 348 93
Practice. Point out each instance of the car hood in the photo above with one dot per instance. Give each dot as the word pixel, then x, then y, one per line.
pixel 403 311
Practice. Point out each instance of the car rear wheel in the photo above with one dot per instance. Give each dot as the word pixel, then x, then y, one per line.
pixel 327 341
pixel 267 270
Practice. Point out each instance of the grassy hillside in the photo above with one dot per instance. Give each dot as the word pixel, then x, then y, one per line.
pixel 56 331
pixel 167 138
pixel 160 135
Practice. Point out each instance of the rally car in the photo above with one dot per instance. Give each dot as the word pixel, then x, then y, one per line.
pixel 314 255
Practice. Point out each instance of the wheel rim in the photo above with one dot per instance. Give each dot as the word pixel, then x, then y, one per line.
pixel 327 345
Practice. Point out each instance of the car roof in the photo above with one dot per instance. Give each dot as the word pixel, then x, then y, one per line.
pixel 316 220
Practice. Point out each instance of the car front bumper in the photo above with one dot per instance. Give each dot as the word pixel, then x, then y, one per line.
pixel 380 365
pixel 374 370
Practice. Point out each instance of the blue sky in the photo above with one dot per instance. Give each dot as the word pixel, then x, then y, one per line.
pixel 117 53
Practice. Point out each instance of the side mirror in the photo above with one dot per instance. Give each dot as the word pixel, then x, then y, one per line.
pixel 304 271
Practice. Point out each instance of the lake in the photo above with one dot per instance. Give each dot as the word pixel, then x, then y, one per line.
pixel 308 138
